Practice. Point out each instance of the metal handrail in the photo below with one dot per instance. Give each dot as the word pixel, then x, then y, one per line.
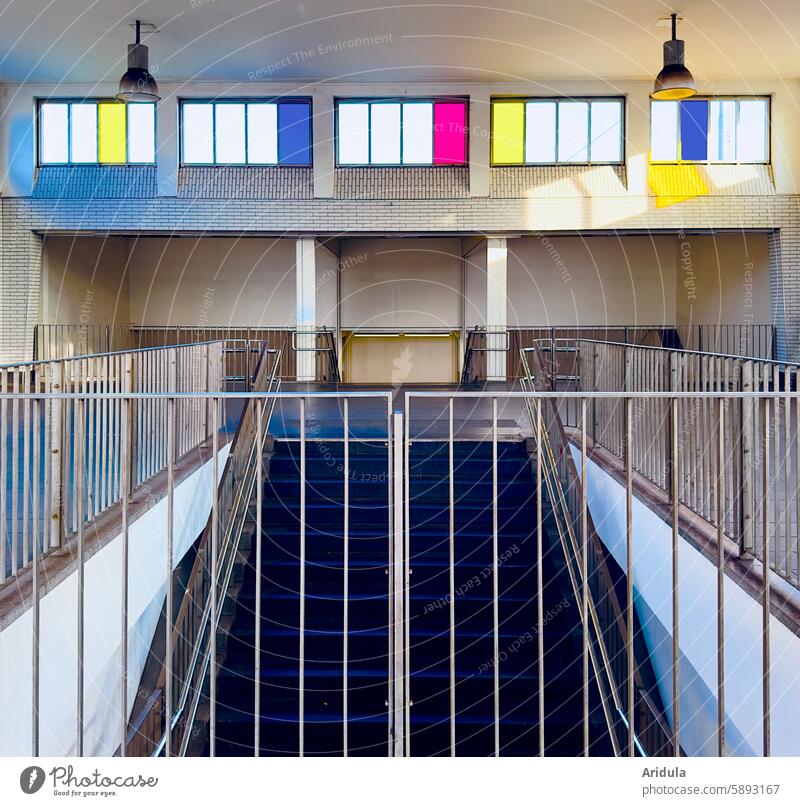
pixel 564 527
pixel 472 348
pixel 192 684
pixel 39 362
pixel 681 351
pixel 572 553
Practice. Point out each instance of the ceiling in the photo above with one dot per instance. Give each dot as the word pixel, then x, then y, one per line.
pixel 471 40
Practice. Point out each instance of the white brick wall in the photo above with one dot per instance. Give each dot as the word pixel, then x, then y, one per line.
pixel 620 213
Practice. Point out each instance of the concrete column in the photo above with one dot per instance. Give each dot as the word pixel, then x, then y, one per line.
pixel 167 150
pixel 496 308
pixel 479 141
pixel 322 130
pixel 305 268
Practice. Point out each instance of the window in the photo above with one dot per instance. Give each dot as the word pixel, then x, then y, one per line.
pixel 91 132
pixel 246 132
pixel 710 130
pixel 401 132
pixel 545 131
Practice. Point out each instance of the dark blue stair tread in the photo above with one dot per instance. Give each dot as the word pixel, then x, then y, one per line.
pixel 229 715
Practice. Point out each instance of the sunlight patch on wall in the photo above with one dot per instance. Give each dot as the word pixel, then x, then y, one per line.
pixel 673 184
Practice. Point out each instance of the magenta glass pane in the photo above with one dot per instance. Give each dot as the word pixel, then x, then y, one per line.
pixel 449 133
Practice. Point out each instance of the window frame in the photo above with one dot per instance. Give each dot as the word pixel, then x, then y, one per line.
pixel 293 99
pixel 402 100
pixel 709 99
pixel 558 100
pixel 40 102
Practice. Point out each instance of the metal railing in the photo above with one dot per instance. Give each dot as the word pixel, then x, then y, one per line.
pixel 243 343
pixel 482 344
pixel 742 425
pixel 190 642
pixel 322 343
pixel 754 341
pixel 593 580
pixel 717 435
pixel 63 460
pixel 632 717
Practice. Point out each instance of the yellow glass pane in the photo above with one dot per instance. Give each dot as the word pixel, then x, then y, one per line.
pixel 508 141
pixel 111 126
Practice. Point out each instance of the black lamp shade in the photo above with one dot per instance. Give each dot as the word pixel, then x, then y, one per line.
pixel 674 82
pixel 138 84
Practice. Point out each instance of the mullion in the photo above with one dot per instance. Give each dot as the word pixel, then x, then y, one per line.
pixel 214 131
pixel 246 105
pixel 589 131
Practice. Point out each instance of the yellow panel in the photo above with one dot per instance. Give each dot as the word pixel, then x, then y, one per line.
pixel 508 140
pixel 401 359
pixel 111 140
pixel 673 184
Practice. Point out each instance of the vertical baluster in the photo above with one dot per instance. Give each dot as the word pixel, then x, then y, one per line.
pixel 125 483
pixel 15 480
pixel 585 580
pixel 168 682
pixel 346 581
pixel 452 574
pixel 26 469
pixel 302 622
pixel 787 474
pixel 629 617
pixel 260 404
pixel 80 480
pixel 539 575
pixel 766 591
pixel 495 584
pixel 4 531
pixel 720 483
pixel 674 484
pixel 214 573
pixel 37 412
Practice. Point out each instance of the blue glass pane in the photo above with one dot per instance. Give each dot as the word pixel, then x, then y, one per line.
pixel 694 130
pixel 294 134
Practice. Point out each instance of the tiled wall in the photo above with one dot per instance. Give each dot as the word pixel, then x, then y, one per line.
pixel 20 251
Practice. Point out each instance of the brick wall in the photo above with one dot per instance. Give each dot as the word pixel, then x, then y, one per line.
pixel 198 210
pixel 450 182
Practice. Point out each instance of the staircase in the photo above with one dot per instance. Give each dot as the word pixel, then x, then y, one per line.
pixel 368 661
pixel 474 612
pixel 368 605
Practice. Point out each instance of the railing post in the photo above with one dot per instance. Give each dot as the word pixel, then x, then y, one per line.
pixel 206 363
pixel 397 576
pixel 746 541
pixel 173 387
pixel 57 457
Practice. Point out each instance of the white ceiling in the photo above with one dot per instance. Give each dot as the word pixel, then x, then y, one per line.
pixel 471 40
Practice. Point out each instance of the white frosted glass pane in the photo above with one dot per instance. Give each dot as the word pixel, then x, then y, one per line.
pixel 722 131
pixel 540 131
pixel 753 131
pixel 385 134
pixel 606 131
pixel 141 133
pixel 55 138
pixel 664 131
pixel 262 133
pixel 83 132
pixel 418 134
pixel 198 133
pixel 573 131
pixel 353 134
pixel 229 133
